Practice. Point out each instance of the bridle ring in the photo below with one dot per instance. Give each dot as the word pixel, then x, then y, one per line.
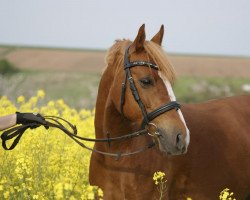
pixel 156 133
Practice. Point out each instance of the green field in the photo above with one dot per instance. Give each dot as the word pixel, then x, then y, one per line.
pixel 79 89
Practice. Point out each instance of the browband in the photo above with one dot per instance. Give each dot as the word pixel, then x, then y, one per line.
pixel 140 63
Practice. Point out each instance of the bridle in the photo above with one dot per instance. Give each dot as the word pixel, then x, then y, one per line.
pixel 71 130
pixel 147 117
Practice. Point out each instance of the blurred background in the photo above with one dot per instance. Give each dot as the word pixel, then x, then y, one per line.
pixel 59 46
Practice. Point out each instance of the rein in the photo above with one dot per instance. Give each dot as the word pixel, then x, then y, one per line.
pixel 57 122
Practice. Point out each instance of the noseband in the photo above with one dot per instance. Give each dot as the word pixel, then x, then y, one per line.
pixel 147 117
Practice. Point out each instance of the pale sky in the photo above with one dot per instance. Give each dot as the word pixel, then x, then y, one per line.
pixel 217 27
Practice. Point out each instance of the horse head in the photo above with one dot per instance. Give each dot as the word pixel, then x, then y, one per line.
pixel 147 99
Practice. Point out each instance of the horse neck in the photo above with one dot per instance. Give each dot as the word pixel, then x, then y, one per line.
pixel 107 117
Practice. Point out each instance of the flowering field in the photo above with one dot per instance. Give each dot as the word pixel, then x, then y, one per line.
pixel 47 164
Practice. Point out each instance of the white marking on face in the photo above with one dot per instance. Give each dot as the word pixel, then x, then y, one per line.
pixel 173 98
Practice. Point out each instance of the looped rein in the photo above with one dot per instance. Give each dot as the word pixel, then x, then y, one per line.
pixel 58 122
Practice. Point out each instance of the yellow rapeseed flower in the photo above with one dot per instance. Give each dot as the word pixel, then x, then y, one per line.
pixel 51 104
pixel 226 195
pixel 68 186
pixel 40 94
pixel 46 163
pixel 158 177
pixel 72 198
pixel 160 180
pixel 6 194
pixel 21 99
pixel 35 196
pixel 100 192
pixel 91 196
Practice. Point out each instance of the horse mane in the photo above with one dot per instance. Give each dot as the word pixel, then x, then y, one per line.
pixel 115 56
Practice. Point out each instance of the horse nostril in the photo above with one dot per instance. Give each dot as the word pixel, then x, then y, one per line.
pixel 179 142
pixel 178 138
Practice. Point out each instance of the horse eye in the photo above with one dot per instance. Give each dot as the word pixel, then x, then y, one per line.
pixel 145 82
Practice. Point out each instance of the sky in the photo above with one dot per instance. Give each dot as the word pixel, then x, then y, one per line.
pixel 213 27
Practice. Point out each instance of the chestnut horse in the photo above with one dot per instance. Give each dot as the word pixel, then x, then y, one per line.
pixel 137 82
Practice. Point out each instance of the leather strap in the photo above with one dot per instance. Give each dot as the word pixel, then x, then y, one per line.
pixel 59 123
pixel 165 108
pixel 141 63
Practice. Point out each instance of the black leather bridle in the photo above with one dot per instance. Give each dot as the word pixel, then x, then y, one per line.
pixel 147 117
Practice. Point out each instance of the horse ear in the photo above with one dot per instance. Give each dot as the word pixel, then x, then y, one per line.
pixel 159 36
pixel 138 43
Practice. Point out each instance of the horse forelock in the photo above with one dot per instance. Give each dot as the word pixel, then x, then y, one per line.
pixel 115 57
pixel 161 60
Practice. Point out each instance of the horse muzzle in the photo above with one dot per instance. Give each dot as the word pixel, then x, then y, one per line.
pixel 172 144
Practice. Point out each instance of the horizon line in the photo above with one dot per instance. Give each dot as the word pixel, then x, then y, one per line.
pixel 44 47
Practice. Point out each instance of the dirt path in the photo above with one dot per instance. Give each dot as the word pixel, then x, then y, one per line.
pixel 93 61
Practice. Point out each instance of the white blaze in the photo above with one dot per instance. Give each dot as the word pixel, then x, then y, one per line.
pixel 173 98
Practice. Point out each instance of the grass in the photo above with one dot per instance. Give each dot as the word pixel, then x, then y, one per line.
pixel 79 90
pixel 198 89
